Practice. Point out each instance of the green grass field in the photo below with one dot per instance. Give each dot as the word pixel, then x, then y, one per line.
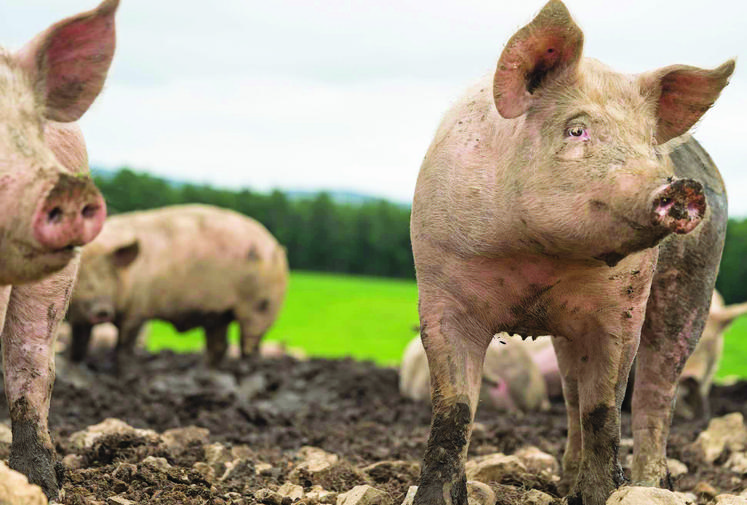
pixel 368 318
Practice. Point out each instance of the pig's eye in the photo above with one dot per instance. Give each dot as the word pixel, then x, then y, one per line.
pixel 578 132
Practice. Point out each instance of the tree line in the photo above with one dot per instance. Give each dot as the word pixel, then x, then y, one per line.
pixel 370 238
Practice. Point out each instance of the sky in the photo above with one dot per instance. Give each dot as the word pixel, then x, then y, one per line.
pixel 346 94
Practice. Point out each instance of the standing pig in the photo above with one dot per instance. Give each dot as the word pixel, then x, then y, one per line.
pixel 512 379
pixel 539 210
pixel 191 265
pixel 50 207
pixel 697 376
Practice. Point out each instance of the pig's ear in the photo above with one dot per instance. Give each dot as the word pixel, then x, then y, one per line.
pixel 683 94
pixel 550 44
pixel 123 256
pixel 68 62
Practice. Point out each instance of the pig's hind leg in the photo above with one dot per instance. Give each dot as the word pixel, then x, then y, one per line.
pixel 216 340
pixel 455 345
pixel 34 313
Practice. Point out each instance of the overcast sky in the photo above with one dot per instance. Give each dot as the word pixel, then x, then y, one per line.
pixel 345 94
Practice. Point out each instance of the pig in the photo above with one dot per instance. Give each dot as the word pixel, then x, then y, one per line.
pixel 50 208
pixel 697 376
pixel 191 265
pixel 511 379
pixel 561 198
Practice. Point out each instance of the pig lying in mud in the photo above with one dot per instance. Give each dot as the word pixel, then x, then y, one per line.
pixel 191 265
pixel 50 208
pixel 697 376
pixel 562 198
pixel 512 380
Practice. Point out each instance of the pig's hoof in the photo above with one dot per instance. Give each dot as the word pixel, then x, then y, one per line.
pixel 435 493
pixel 30 456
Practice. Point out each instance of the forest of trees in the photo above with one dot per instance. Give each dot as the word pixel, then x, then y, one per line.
pixel 370 238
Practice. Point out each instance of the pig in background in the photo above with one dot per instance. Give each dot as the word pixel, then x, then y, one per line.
pixel 697 376
pixel 547 204
pixel 48 208
pixel 190 265
pixel 513 378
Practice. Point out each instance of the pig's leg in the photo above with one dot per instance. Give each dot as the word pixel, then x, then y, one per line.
pixel 129 330
pixel 34 312
pixel 216 339
pixel 249 339
pixel 675 317
pixel 595 370
pixel 455 346
pixel 81 336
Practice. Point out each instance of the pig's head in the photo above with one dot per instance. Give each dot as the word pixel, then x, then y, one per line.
pixel 47 208
pixel 595 179
pixel 102 266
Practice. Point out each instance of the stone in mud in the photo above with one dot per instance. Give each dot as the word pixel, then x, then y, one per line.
pixel 688 498
pixel 119 500
pixel 85 439
pixel 494 467
pixel 724 433
pixel 73 461
pixel 314 464
pixel 737 463
pixel 537 497
pixel 364 495
pixel 16 490
pixel 479 493
pixel 290 490
pixel 729 499
pixel 156 463
pixel 318 494
pixel 268 497
pixel 537 461
pixel 205 470
pixel 125 472
pixel 637 495
pixel 383 471
pixel 178 439
pixel 705 490
pixel 217 455
pixel 676 468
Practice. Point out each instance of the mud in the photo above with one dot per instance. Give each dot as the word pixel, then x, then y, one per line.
pixel 266 410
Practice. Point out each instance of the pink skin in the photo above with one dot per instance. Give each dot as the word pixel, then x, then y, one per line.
pixel 48 208
pixel 538 210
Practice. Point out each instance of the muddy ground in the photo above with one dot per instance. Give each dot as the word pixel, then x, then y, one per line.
pixel 276 406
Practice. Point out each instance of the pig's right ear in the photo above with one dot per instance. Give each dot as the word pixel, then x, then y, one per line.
pixel 551 43
pixel 123 257
pixel 69 61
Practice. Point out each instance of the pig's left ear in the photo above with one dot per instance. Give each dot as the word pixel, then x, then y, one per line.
pixel 683 94
pixel 69 61
pixel 548 45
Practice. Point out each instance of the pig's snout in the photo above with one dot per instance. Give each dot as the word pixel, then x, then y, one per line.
pixel 679 206
pixel 71 215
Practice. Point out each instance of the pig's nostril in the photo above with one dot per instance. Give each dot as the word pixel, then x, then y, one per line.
pixel 54 216
pixel 89 211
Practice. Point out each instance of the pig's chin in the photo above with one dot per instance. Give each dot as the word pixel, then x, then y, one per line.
pixel 23 263
pixel 645 238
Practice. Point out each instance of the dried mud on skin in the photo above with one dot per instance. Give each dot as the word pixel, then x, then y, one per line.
pixel 276 406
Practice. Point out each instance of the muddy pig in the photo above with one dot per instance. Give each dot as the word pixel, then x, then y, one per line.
pixel 191 265
pixel 511 379
pixel 562 198
pixel 50 208
pixel 697 376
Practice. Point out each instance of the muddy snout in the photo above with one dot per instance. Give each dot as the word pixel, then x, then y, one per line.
pixel 71 215
pixel 679 206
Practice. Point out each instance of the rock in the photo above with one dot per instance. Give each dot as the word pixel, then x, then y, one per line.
pixel 119 500
pixel 743 494
pixel 729 499
pixel 217 455
pixel 178 439
pixel 73 461
pixel 636 495
pixel 688 498
pixel 494 467
pixel 292 491
pixel 537 461
pixel 314 464
pixel 6 435
pixel 704 489
pixel 16 490
pixel 205 470
pixel 321 495
pixel 479 493
pixel 85 439
pixel 537 497
pixel 676 468
pixel 156 463
pixel 250 387
pixel 242 452
pixel 125 472
pixel 410 496
pixel 268 497
pixel 724 433
pixel 234 498
pixel 364 495
pixel 261 467
pixel 737 462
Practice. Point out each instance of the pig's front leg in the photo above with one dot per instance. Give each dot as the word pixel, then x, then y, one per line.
pixel 34 313
pixel 455 345
pixel 80 338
